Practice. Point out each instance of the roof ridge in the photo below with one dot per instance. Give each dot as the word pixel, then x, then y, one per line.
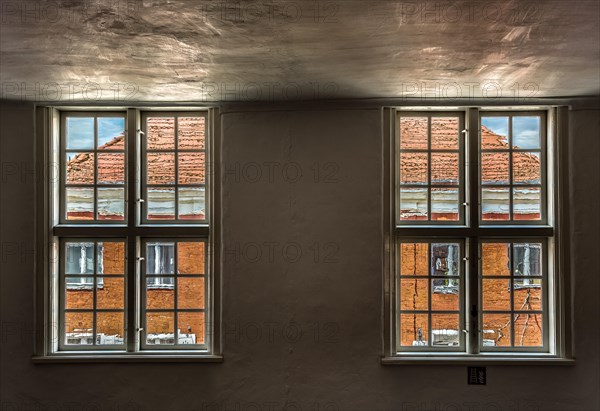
pixel 113 141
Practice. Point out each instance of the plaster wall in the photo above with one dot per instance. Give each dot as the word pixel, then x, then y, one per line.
pixel 302 283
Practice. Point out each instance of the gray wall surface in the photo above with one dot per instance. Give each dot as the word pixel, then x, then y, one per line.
pixel 302 319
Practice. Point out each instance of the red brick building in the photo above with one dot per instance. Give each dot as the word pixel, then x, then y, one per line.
pixel 175 284
pixel 416 259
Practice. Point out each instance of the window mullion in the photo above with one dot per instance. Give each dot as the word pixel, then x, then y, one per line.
pixel 132 300
pixel 472 302
pixel 473 306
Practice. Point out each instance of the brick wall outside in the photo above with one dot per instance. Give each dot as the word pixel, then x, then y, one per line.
pixel 414 295
pixel 190 295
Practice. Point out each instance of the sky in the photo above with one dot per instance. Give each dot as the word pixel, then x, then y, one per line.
pixel 526 130
pixel 80 131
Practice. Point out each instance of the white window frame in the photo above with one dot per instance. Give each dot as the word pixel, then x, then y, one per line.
pixel 52 229
pixel 182 338
pixel 551 229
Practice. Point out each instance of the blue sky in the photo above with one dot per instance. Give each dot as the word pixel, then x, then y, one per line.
pixel 80 131
pixel 526 130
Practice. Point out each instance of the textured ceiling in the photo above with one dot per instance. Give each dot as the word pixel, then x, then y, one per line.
pixel 156 50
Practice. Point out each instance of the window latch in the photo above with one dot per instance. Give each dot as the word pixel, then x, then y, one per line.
pixel 140 258
pixel 140 200
pixel 139 329
pixel 465 131
pixel 140 131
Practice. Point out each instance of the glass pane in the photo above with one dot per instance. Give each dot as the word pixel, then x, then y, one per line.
pixel 494 168
pixel 528 330
pixel 110 328
pixel 160 292
pixel 494 133
pixel 111 133
pixel 111 203
pixel 192 203
pixel 445 259
pixel 495 259
pixel 528 294
pixel 191 168
pixel 190 292
pixel 111 257
pixel 414 294
pixel 160 328
pixel 79 258
pixel 444 204
pixel 444 168
pixel 190 258
pixel 413 133
pixel 190 328
pixel 414 329
pixel 413 259
pixel 526 132
pixel 79 328
pixel 161 133
pixel 413 204
pixel 444 294
pixel 161 203
pixel 80 203
pixel 160 258
pixel 80 133
pixel 444 133
pixel 527 259
pixel 527 203
pixel 110 293
pixel 79 293
pixel 80 168
pixel 496 294
pixel 191 132
pixel 161 168
pixel 413 168
pixel 526 168
pixel 111 168
pixel 445 330
pixel 495 204
pixel 496 330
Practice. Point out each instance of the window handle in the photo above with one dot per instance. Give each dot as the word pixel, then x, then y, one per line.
pixel 141 132
pixel 139 329
pixel 465 131
pixel 140 258
pixel 140 200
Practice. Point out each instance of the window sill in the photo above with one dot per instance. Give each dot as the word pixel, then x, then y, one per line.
pixel 481 359
pixel 125 358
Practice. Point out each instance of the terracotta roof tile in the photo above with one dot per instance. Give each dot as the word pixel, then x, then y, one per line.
pixel 444 167
pixel 161 165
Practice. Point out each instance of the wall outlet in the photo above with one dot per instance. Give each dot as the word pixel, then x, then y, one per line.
pixel 476 376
